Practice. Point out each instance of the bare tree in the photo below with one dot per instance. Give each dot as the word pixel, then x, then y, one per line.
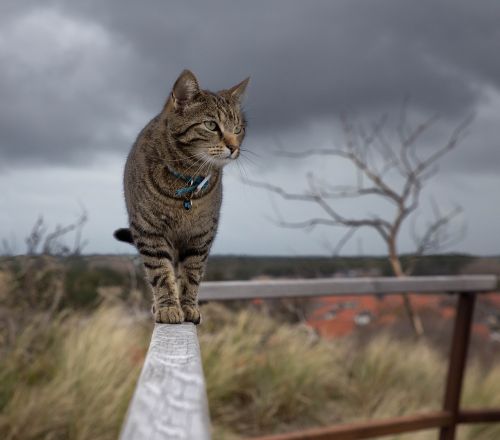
pixel 35 237
pixel 391 170
pixel 34 289
pixel 51 243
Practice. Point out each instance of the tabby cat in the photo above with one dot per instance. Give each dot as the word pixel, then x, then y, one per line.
pixel 173 190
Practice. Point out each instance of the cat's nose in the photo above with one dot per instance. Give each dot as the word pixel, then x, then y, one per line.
pixel 234 151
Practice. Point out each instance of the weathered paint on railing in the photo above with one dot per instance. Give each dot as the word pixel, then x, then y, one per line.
pixel 170 398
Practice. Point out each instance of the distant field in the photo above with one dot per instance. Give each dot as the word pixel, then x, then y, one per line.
pixel 240 267
pixel 246 267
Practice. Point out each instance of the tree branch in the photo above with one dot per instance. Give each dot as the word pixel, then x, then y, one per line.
pixel 380 225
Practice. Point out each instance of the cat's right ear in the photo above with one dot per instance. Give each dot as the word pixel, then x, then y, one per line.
pixel 184 90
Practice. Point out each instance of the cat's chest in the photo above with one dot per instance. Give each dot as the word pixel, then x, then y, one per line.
pixel 199 212
pixel 202 213
pixel 201 220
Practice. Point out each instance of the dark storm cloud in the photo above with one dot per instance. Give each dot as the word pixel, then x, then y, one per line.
pixel 82 76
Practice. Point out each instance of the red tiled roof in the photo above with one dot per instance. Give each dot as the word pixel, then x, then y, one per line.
pixel 334 315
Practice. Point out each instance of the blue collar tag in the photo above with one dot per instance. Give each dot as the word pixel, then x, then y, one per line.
pixel 195 184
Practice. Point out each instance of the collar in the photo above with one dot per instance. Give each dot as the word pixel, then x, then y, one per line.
pixel 195 184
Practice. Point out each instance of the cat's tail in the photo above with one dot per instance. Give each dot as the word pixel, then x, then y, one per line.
pixel 123 234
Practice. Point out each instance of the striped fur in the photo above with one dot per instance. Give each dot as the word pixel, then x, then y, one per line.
pixel 175 243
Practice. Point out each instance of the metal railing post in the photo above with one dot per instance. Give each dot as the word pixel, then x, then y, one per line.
pixel 457 361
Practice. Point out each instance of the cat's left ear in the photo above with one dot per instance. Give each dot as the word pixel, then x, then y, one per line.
pixel 239 89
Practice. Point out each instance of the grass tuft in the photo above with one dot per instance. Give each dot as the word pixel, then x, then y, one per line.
pixel 73 378
pixel 262 375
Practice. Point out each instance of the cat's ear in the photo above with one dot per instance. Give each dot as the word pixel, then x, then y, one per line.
pixel 239 89
pixel 185 88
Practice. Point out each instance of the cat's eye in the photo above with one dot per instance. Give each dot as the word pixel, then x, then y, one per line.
pixel 211 125
pixel 238 129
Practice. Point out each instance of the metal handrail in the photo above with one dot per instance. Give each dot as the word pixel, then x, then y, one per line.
pixel 170 399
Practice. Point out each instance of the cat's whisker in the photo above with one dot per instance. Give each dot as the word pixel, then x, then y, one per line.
pixel 182 159
pixel 241 169
pixel 246 150
pixel 249 160
pixel 206 160
pixel 201 159
pixel 244 169
pixel 197 155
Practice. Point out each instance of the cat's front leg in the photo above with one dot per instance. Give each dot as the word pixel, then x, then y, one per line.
pixel 160 272
pixel 192 267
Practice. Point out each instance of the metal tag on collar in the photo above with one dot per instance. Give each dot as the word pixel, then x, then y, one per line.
pixel 187 204
pixel 203 183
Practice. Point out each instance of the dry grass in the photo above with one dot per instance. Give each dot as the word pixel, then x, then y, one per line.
pixel 72 377
pixel 264 376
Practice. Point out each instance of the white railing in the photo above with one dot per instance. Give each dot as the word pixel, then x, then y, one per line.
pixel 170 400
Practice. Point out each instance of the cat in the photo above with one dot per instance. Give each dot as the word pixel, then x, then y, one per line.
pixel 173 190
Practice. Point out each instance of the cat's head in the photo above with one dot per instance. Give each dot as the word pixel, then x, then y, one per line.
pixel 208 127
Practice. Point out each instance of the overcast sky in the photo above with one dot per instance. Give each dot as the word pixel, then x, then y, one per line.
pixel 78 80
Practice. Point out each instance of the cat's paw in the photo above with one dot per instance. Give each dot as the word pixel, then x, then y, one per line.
pixel 169 315
pixel 191 314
